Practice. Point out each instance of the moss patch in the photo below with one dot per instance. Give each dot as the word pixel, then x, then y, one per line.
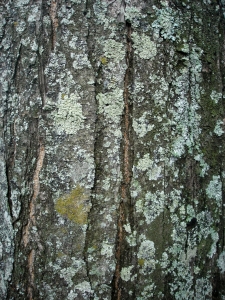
pixel 73 206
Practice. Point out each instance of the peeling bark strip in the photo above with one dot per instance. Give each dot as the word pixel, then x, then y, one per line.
pixel 125 208
pixel 32 220
pixel 36 188
pixel 53 11
pixel 31 258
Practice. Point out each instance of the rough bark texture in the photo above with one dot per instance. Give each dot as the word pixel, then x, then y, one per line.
pixel 112 163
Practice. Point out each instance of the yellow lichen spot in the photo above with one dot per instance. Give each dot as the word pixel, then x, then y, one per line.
pixel 15 24
pixel 63 96
pixel 73 206
pixel 141 262
pixel 60 254
pixel 103 60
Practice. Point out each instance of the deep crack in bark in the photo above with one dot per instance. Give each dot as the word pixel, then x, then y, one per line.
pixel 125 213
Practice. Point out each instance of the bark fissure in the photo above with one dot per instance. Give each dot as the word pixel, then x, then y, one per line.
pixel 42 81
pixel 32 221
pixel 125 213
pixel 97 153
pixel 17 64
pixel 10 160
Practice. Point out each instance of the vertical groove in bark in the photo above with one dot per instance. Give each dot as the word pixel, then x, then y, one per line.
pixel 125 213
pixel 42 81
pixel 17 66
pixel 8 176
pixel 32 220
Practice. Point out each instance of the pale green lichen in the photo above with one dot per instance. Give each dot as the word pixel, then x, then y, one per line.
pixel 204 166
pixel 190 254
pixel 147 292
pixel 126 273
pixel 221 262
pixel 113 50
pixel 141 125
pixel 21 3
pixel 146 164
pixel 34 14
pixel 68 274
pixel 127 228
pixel 46 20
pixel 203 289
pixel 185 115
pixel 182 259
pixel 146 252
pixel 81 61
pixel 69 117
pixel 100 10
pixel 76 1
pixel 207 2
pixel 184 47
pixel 66 15
pixel 111 104
pixel 215 96
pixel 143 45
pixel 34 46
pixel 107 250
pixel 214 190
pixel 161 92
pixel 219 128
pixel 25 41
pixel 106 184
pixel 138 88
pixel 215 239
pixel 84 287
pixel 20 26
pixel 164 262
pixel 181 287
pixel 131 238
pixel 79 53
pixel 152 206
pixel 166 24
pixel 133 15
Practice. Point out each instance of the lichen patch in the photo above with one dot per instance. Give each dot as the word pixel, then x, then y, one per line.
pixel 73 206
pixel 69 117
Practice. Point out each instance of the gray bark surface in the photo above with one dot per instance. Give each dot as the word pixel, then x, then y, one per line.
pixel 112 168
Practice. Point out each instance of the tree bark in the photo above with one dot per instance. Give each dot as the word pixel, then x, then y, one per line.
pixel 112 169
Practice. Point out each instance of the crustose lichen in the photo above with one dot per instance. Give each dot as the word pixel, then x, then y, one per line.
pixel 73 206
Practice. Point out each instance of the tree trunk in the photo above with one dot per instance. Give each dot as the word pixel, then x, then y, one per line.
pixel 112 160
